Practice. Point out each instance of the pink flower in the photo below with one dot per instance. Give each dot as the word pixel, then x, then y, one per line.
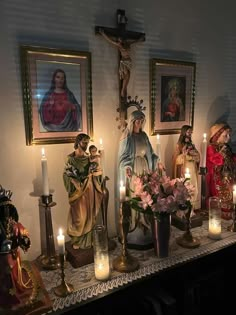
pixel 146 200
pixel 157 194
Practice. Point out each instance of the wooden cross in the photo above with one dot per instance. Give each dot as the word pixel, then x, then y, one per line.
pixel 122 39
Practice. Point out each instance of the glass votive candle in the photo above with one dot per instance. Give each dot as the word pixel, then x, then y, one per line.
pixel 101 254
pixel 214 231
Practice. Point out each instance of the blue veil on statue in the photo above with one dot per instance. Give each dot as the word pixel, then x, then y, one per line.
pixel 135 156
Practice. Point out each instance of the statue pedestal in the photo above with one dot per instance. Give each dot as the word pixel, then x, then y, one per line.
pixel 80 257
pixel 181 223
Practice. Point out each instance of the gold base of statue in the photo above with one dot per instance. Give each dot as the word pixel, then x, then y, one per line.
pixel 181 222
pixel 125 263
pixel 188 241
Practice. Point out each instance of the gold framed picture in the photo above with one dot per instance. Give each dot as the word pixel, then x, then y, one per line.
pixel 57 94
pixel 172 95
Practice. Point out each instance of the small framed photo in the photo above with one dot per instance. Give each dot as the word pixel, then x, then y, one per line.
pixel 172 95
pixel 57 94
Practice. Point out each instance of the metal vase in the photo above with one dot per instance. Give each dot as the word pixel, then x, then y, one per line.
pixel 161 234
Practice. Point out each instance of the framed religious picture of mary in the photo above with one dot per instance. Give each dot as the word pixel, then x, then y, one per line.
pixel 172 95
pixel 57 94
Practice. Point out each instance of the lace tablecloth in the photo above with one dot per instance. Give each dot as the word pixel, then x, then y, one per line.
pixel 87 287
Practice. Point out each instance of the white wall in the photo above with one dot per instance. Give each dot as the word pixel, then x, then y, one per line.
pixel 200 31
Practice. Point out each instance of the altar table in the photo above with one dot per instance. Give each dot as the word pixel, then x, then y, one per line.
pixel 88 289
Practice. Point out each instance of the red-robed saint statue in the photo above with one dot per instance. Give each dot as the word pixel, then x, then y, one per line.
pixel 221 167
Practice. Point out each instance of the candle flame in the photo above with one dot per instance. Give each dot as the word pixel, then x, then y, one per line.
pixel 158 137
pixel 204 136
pixel 121 183
pixel 43 152
pixel 60 232
pixel 100 141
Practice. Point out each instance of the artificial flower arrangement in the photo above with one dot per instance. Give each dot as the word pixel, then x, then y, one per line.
pixel 156 194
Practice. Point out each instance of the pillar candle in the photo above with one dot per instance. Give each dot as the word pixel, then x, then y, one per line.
pixel 45 174
pixel 214 228
pixel 122 191
pixel 234 194
pixel 102 157
pixel 158 147
pixel 204 150
pixel 61 242
pixel 214 231
pixel 102 268
pixel 101 253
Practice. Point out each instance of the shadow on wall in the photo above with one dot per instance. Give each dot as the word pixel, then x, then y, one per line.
pixel 220 112
pixel 172 54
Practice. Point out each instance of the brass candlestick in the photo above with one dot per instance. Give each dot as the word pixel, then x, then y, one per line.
pixel 204 211
pixel 125 262
pixel 64 288
pixel 50 261
pixel 187 240
pixel 232 227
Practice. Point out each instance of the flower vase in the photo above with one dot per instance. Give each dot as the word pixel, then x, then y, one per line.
pixel 161 234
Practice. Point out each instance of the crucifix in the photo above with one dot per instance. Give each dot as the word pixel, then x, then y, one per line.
pixel 123 40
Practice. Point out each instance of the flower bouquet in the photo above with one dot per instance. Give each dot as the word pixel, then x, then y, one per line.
pixel 156 194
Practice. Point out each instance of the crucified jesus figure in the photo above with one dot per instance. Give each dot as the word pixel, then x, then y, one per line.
pixel 124 47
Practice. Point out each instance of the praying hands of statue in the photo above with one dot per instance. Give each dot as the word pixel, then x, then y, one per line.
pixel 128 172
pixel 185 149
pixel 161 168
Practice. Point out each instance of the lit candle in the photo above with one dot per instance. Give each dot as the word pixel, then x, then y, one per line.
pixel 204 150
pixel 102 157
pixel 214 231
pixel 234 195
pixel 61 242
pixel 158 147
pixel 214 228
pixel 187 174
pixel 102 267
pixel 45 174
pixel 122 191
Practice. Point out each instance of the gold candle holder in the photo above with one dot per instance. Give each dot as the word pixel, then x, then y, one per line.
pixel 232 227
pixel 125 262
pixel 187 240
pixel 203 211
pixel 64 288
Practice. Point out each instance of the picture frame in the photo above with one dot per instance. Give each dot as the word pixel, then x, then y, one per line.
pixel 172 95
pixel 57 94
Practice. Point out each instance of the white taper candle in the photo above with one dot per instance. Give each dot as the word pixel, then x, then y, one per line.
pixel 45 173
